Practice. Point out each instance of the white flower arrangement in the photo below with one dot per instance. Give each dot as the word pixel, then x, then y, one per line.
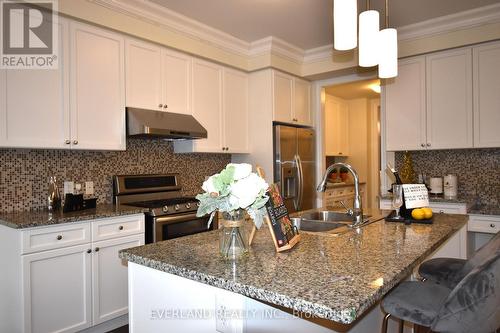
pixel 235 187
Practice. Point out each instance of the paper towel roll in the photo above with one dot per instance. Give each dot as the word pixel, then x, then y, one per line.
pixel 436 185
pixel 450 186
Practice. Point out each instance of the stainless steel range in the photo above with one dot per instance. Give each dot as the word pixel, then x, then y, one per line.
pixel 169 215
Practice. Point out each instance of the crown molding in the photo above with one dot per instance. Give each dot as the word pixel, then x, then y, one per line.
pixel 450 23
pixel 150 12
pixel 170 20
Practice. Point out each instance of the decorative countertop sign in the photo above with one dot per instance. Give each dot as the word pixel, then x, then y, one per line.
pixel 416 195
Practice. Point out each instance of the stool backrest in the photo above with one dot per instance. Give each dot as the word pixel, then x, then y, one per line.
pixel 493 246
pixel 474 304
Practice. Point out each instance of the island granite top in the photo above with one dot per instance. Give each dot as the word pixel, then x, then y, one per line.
pixel 336 277
pixel 38 218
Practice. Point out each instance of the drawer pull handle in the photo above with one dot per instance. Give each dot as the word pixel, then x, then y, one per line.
pixel 96 249
pixel 89 251
pixel 120 227
pixel 59 237
pixel 441 211
pixel 492 225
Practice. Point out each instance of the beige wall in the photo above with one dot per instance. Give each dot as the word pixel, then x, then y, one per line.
pixel 330 65
pixel 358 136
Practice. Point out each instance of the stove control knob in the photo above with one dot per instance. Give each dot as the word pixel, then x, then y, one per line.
pixel 177 207
pixel 165 209
pixel 188 205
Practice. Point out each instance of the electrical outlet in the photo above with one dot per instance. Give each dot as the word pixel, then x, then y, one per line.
pixel 89 188
pixel 69 187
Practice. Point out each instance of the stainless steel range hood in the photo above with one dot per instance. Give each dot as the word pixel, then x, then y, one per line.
pixel 168 125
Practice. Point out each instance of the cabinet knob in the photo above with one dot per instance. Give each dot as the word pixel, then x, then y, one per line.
pixel 67 142
pixel 96 249
pixel 75 142
pixel 422 144
pixel 165 106
pixel 492 225
pixel 59 237
pixel 428 144
pixel 340 153
pixel 160 105
pixel 227 148
pixel 120 227
pixel 89 251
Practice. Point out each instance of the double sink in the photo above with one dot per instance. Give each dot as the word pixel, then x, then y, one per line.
pixel 327 221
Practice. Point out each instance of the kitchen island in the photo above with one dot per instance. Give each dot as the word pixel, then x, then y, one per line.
pixel 328 282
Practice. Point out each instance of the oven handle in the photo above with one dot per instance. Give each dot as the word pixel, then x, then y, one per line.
pixel 177 218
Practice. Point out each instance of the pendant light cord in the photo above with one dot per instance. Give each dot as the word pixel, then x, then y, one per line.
pixel 386 14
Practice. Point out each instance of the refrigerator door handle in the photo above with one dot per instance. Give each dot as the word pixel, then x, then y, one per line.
pixel 300 177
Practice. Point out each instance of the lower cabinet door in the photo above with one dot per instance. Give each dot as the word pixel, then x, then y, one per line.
pixel 109 278
pixel 57 290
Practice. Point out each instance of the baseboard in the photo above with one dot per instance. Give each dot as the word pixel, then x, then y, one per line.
pixel 108 325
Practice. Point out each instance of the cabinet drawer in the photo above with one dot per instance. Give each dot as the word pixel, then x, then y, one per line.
pixel 54 237
pixel 487 224
pixel 117 227
pixel 449 208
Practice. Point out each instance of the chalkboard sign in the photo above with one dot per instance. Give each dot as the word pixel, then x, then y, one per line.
pixel 285 234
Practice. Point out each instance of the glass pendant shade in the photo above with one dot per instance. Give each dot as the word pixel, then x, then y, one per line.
pixel 368 38
pixel 388 53
pixel 345 24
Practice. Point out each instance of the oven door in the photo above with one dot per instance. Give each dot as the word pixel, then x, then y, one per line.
pixel 169 227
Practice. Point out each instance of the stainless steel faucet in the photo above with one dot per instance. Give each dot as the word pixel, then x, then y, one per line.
pixel 357 209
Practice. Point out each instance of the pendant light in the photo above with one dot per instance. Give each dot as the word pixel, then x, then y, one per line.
pixel 345 24
pixel 369 27
pixel 388 46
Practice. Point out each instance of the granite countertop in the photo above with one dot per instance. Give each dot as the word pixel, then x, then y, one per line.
pixel 37 218
pixel 335 277
pixel 484 210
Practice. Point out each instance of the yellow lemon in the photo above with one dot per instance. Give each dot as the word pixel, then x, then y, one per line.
pixel 417 214
pixel 427 212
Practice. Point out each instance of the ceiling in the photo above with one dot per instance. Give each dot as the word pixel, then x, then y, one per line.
pixel 304 23
pixel 352 90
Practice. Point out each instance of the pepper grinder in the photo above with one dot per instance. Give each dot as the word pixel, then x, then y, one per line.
pixel 54 198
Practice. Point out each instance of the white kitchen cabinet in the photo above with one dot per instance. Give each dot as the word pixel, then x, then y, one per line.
pixel 336 127
pixel 454 247
pixel 302 101
pixel 109 278
pixel 57 290
pixel 157 78
pixel 34 103
pixel 220 104
pixel 486 69
pixel 97 88
pixel 449 99
pixel 69 276
pixel 144 80
pixel 235 111
pixel 291 99
pixel 437 207
pixel 405 119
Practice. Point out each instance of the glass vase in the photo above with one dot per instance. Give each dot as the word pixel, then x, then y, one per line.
pixel 233 240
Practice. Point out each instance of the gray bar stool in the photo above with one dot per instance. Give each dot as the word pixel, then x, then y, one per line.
pixel 473 305
pixel 449 271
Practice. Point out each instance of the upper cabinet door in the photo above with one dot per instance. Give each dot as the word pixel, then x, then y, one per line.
pixel 34 103
pixel 282 96
pixel 177 82
pixel 235 105
pixel 405 121
pixel 97 88
pixel 302 102
pixel 207 104
pixel 449 99
pixel 144 75
pixel 487 95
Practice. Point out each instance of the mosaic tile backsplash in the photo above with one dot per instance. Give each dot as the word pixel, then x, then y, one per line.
pixel 477 170
pixel 24 172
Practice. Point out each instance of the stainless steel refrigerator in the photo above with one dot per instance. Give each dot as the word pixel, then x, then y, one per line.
pixel 295 166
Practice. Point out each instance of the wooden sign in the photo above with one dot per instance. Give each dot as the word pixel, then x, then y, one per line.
pixel 416 195
pixel 285 235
